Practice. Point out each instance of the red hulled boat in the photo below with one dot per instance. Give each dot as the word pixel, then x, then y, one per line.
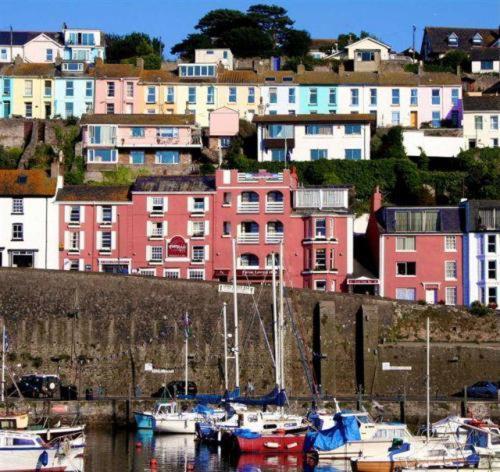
pixel 277 442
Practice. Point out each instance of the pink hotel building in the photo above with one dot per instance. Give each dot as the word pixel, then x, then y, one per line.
pixel 183 227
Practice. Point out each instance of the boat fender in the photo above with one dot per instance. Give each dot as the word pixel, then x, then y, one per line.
pixel 138 445
pixel 153 464
pixel 272 445
pixel 289 446
pixel 43 459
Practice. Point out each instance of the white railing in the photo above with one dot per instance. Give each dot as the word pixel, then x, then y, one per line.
pixel 275 207
pixel 252 178
pixel 321 198
pixel 246 177
pixel 274 238
pixel 157 233
pixel 248 207
pixel 248 238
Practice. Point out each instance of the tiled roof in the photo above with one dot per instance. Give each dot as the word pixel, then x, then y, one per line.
pixel 485 54
pixel 158 76
pixel 315 118
pixel 449 219
pixel 317 43
pixel 237 77
pixel 19 38
pixel 138 119
pixel 29 70
pixel 26 183
pixel 94 193
pixel 103 71
pixel 482 102
pixel 175 183
pixel 276 77
pixel 438 37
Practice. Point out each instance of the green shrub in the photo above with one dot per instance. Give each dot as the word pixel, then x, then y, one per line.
pixel 478 309
pixel 9 157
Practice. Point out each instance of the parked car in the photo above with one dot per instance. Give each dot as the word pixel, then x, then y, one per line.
pixel 38 386
pixel 483 389
pixel 174 388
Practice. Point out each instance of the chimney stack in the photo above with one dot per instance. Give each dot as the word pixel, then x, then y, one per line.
pixel 420 68
pixel 376 200
pixel 18 60
pixel 99 61
pixel 301 68
pixel 139 63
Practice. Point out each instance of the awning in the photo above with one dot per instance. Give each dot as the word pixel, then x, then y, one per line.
pixel 363 281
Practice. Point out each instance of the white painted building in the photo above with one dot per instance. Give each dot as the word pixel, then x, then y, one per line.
pixel 30 46
pixel 279 94
pixel 313 137
pixel 482 252
pixel 486 60
pixel 222 56
pixel 481 121
pixel 29 230
pixel 434 143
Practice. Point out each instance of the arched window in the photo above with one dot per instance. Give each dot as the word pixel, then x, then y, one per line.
pixel 274 202
pixel 273 197
pixel 249 197
pixel 274 231
pixel 249 227
pixel 248 232
pixel 249 260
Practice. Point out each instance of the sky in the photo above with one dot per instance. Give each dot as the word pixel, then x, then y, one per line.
pixel 172 20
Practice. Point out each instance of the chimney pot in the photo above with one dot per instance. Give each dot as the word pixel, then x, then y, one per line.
pixel 301 68
pixel 140 63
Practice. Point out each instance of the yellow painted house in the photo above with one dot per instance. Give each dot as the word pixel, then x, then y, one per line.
pixel 32 89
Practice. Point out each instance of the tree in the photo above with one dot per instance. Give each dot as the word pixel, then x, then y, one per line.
pixel 127 48
pixel 296 43
pixel 218 22
pixel 423 160
pixel 453 59
pixel 9 157
pixel 249 42
pixel 482 172
pixel 272 19
pixel 186 47
pixel 392 144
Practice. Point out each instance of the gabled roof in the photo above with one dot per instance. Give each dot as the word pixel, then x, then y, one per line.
pixel 368 38
pixel 20 38
pixel 94 193
pixel 175 183
pixel 318 43
pixel 482 103
pixel 32 69
pixel 438 37
pixel 26 183
pixel 138 119
pixel 315 118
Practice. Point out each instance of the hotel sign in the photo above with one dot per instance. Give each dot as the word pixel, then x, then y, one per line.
pixel 177 247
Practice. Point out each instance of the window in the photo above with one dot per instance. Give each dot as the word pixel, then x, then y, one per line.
pixel 147 272
pixel 225 142
pixel 74 214
pixel 420 221
pixel 366 56
pixel 168 132
pixel 197 71
pixel 451 295
pixel 226 228
pixel 478 122
pixel 251 95
pixel 72 67
pixel 232 95
pixel 28 110
pixel 406 268
pixel 226 199
pixel 88 107
pixel 494 122
pixel 436 97
pixel 28 88
pixel 137 157
pixel 74 241
pixel 249 260
pixel 110 108
pixel 450 243
pixel 354 97
pixel 395 96
pixel 453 40
pixel 170 95
pixel 477 39
pixel 414 97
pixel 320 285
pixel 88 88
pixel 156 254
pixel 102 155
pixel 291 95
pixel 332 96
pixel 313 96
pixel 74 264
pixel 436 119
pixel 69 109
pixel 106 238
pixel 353 154
pixel 352 129
pixel 130 89
pixel 17 232
pixel 198 254
pixel 320 228
pixel 155 229
pixel 167 157
pixel 171 273
pixel 210 95
pixel 319 129
pixel 405 243
pixel 106 214
pixel 138 132
pixel 486 65
pixel 489 218
pixel 6 86
pixel 70 90
pixel 273 95
pixel 492 244
pixel 3 54
pixel 47 88
pixel 157 205
pixel 197 229
pixel 492 296
pixel 492 270
pixel 151 94
pixel 111 89
pixel 395 118
pixel 17 206
pixel 278 155
pixel 196 274
pixel 319 154
pixel 320 259
pixel 454 96
pixel 373 97
pixel 450 270
pixel 198 204
pixel 192 95
pixel 406 294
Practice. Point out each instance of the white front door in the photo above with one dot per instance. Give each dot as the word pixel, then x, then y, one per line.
pixel 430 296
pixel 128 108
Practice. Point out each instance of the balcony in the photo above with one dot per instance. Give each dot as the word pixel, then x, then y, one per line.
pixel 275 207
pixel 253 178
pixel 248 207
pixel 321 198
pixel 248 238
pixel 273 237
pixel 160 142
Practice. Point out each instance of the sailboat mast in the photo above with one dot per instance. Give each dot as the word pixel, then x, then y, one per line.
pixel 3 363
pixel 236 329
pixel 224 317
pixel 186 354
pixel 282 318
pixel 275 324
pixel 428 380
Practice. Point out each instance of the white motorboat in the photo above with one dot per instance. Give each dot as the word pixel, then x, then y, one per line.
pixel 20 451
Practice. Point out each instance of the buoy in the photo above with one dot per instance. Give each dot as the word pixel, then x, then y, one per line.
pixel 153 463
pixel 138 444
pixel 190 466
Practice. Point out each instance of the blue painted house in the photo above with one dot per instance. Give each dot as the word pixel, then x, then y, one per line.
pixel 5 97
pixel 318 93
pixel 74 90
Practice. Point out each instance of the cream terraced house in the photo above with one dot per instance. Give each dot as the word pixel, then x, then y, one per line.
pixel 481 121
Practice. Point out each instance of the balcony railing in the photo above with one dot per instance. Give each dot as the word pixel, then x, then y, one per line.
pixel 286 133
pixel 321 198
pixel 275 207
pixel 252 178
pixel 274 238
pixel 248 238
pixel 248 207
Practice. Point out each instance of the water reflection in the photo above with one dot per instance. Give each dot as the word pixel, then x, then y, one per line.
pixel 133 452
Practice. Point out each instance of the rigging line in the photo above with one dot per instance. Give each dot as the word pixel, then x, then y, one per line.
pixel 247 331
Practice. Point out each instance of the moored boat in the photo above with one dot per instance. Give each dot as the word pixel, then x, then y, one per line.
pixel 278 442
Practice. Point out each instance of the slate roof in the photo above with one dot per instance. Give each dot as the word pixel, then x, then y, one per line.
pixel 482 103
pixel 19 38
pixel 26 183
pixel 315 118
pixel 137 119
pixel 318 43
pixel 33 69
pixel 175 183
pixel 94 193
pixel 485 54
pixel 472 212
pixel 438 37
pixel 450 219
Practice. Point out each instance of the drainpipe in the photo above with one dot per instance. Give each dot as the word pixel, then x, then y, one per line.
pixel 46 229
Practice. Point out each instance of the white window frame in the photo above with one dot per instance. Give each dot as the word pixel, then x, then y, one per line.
pixel 447 266
pixel 154 250
pixel 451 295
pixel 405 240
pixel 322 281
pixel 450 243
pixel 172 273
pixel 147 272
pixel 191 272
pixel 18 206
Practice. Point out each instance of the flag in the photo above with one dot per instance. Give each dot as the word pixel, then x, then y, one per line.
pixel 186 325
pixel 288 156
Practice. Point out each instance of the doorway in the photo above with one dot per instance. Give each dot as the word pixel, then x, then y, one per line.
pixel 431 296
pixel 115 268
pixel 414 119
pixel 48 110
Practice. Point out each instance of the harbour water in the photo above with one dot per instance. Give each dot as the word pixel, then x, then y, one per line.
pixel 123 451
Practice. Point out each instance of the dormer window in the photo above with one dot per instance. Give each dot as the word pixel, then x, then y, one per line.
pixel 287 79
pixel 453 40
pixel 477 40
pixel 72 67
pixel 270 79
